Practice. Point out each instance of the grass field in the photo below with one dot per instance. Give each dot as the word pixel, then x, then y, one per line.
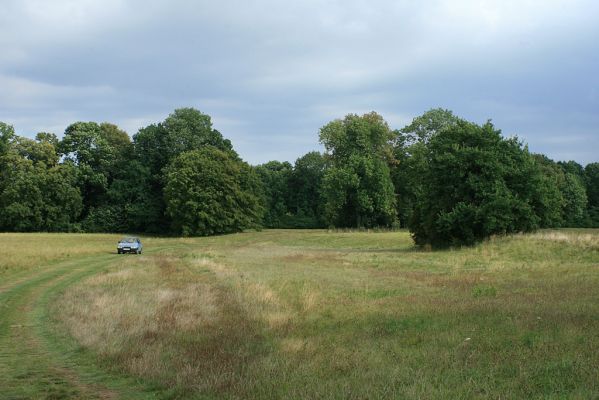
pixel 299 314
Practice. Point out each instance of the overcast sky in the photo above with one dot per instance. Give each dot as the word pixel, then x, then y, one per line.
pixel 271 73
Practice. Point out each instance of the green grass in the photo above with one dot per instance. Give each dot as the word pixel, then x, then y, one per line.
pixel 301 314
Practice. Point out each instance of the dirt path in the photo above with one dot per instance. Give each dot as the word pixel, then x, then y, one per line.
pixel 33 365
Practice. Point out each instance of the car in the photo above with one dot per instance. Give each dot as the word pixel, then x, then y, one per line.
pixel 129 245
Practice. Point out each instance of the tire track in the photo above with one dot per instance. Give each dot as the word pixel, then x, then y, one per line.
pixel 36 362
pixel 28 369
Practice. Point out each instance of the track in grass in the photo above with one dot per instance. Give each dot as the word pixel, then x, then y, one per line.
pixel 34 363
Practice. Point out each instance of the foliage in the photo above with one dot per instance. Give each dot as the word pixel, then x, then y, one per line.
pixel 99 151
pixel 274 176
pixel 591 172
pixel 550 196
pixel 357 187
pixel 35 197
pixel 7 133
pixel 157 145
pixel 209 192
pixel 476 184
pixel 409 151
pixel 292 195
pixel 97 179
pixel 185 129
pixel 575 200
pixel 426 126
pixel 305 185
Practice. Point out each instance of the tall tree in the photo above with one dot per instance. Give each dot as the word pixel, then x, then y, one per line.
pixel 550 196
pixel 7 134
pixel 208 192
pixel 575 201
pixel 357 187
pixel 36 194
pixel 157 145
pixel 574 193
pixel 99 151
pixel 409 150
pixel 476 184
pixel 591 172
pixel 274 176
pixel 305 190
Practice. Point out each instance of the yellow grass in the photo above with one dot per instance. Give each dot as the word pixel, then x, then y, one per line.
pixel 315 314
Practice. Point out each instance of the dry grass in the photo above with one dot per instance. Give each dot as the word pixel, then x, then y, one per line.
pixel 20 251
pixel 313 314
pixel 165 320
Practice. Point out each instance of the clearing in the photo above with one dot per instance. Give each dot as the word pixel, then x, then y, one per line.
pixel 299 314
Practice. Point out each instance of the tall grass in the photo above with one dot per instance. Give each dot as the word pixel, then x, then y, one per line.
pixel 316 314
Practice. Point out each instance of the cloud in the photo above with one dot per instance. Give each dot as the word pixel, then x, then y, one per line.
pixel 272 73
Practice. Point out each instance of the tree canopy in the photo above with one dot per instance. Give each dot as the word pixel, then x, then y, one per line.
pixel 475 184
pixel 357 187
pixel 451 182
pixel 209 192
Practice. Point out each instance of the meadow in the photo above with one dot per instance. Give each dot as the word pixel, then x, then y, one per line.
pixel 299 314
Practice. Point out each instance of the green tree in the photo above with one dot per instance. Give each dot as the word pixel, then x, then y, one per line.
pixel 99 151
pixel 156 146
pixel 427 125
pixel 575 201
pixel 551 200
pixel 36 194
pixel 591 172
pixel 409 150
pixel 476 184
pixel 274 176
pixel 357 187
pixel 7 133
pixel 572 167
pixel 573 188
pixel 208 192
pixel 305 191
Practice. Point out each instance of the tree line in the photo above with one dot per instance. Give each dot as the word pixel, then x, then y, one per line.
pixel 448 180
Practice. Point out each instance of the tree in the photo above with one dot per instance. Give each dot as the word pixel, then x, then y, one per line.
pixel 274 176
pixel 409 149
pixel 573 189
pixel 209 192
pixel 157 145
pixel 36 194
pixel 305 191
pixel 357 187
pixel 99 151
pixel 575 201
pixel 475 184
pixel 572 167
pixel 7 133
pixel 591 172
pixel 551 200
pixel 425 126
pixel 184 130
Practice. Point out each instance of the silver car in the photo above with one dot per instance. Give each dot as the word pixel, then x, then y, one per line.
pixel 129 245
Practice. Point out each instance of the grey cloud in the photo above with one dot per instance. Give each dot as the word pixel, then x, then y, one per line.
pixel 271 73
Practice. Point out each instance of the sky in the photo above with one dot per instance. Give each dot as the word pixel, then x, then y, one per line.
pixel 272 73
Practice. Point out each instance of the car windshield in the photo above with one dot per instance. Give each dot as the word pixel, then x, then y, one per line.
pixel 128 240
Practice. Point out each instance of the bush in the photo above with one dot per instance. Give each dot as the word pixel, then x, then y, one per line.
pixel 475 184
